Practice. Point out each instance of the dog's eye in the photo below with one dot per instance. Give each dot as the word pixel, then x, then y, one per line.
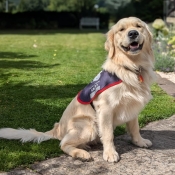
pixel 138 26
pixel 122 29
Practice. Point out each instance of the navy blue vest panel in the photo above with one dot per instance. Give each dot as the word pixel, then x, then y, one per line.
pixel 101 82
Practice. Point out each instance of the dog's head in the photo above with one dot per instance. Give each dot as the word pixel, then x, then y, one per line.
pixel 130 36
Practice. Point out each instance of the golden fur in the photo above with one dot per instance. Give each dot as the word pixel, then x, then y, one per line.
pixel 81 124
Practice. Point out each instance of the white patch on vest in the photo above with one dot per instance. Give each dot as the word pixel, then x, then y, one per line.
pixel 97 77
pixel 94 89
pixel 96 86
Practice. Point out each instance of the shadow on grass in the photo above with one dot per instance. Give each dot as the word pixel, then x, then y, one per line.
pixel 27 106
pixel 10 55
pixel 18 61
pixel 18 64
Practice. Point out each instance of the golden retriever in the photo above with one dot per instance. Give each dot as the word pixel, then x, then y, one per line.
pixel 130 58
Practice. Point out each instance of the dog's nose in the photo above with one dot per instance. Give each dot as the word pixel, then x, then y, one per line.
pixel 133 34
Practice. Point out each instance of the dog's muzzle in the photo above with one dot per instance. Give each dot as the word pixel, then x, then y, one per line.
pixel 134 45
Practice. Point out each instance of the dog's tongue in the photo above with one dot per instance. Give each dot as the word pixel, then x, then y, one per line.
pixel 134 45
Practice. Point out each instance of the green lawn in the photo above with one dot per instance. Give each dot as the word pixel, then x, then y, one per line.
pixel 40 72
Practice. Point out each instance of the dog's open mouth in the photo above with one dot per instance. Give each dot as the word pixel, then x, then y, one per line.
pixel 133 47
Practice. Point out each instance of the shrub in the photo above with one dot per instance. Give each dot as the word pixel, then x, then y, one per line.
pixel 48 20
pixel 164 59
pixel 164 62
pixel 160 26
pixel 171 44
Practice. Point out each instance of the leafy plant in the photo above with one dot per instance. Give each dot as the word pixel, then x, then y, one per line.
pixel 164 62
pixel 171 44
pixel 163 54
pixel 160 26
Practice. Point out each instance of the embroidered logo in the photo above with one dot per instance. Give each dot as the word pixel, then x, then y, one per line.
pixel 100 83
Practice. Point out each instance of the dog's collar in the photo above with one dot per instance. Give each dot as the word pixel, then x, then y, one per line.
pixel 137 72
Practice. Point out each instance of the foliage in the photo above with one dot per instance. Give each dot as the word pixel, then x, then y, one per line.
pixel 41 71
pixel 165 61
pixel 114 5
pixel 47 20
pixel 11 5
pixel 32 5
pixel 160 26
pixel 171 43
pixel 48 5
pixel 2 5
pixel 146 10
pixel 163 48
pixel 57 5
pixel 117 7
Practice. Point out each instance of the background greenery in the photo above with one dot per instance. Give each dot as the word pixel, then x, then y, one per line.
pixel 164 46
pixel 144 9
pixel 40 73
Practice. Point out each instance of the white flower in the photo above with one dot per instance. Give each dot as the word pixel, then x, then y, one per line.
pixel 35 45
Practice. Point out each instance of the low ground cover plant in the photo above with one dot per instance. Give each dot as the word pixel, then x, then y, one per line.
pixel 41 71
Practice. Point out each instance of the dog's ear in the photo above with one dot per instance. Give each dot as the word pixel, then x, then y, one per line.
pixel 149 32
pixel 109 44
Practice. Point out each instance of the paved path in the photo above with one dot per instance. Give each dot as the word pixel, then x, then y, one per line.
pixel 158 160
pixel 167 85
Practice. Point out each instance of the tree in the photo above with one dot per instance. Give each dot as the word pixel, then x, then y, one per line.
pixel 71 5
pixel 144 9
pixel 32 5
pixel 171 7
pixel 59 5
pixel 120 8
pixel 11 5
pixel 2 5
pixel 148 10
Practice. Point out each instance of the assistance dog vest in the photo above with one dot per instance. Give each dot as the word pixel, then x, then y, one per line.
pixel 100 83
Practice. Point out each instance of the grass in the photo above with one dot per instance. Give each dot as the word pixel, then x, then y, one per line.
pixel 40 73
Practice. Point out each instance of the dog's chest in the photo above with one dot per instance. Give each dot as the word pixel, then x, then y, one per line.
pixel 126 103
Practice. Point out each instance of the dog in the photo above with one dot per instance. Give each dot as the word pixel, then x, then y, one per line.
pixel 93 118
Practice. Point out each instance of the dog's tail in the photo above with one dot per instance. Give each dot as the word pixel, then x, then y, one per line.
pixel 29 135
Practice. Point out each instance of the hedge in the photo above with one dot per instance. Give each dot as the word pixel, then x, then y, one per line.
pixel 47 20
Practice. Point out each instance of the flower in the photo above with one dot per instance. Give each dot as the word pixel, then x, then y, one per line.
pixel 35 45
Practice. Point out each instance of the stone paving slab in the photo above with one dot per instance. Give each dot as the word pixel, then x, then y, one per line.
pixel 167 85
pixel 157 160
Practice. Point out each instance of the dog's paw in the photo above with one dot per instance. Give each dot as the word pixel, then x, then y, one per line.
pixel 81 154
pixel 145 143
pixel 110 156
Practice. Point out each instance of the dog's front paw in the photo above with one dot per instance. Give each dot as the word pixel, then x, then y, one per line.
pixel 110 156
pixel 80 154
pixel 141 142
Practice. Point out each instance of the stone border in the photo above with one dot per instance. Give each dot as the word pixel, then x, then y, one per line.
pixel 167 85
